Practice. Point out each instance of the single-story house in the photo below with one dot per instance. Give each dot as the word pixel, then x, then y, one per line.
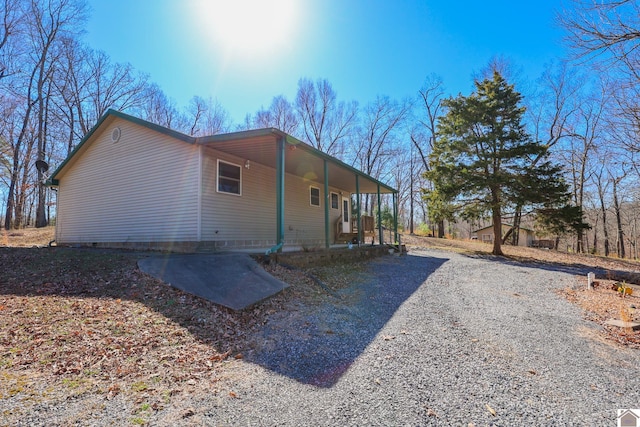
pixel 132 183
pixel 486 235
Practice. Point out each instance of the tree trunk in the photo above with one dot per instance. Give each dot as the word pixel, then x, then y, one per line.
pixel 579 241
pixel 604 227
pixel 8 219
pixel 411 199
pixel 43 119
pixel 620 232
pixel 517 219
pixel 595 237
pixel 497 231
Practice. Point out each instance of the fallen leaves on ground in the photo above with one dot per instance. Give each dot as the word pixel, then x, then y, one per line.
pixel 85 321
pixel 80 321
pixel 602 304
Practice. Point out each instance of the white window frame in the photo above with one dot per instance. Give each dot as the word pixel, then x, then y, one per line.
pixel 239 193
pixel 311 187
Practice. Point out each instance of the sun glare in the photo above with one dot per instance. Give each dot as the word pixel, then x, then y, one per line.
pixel 248 27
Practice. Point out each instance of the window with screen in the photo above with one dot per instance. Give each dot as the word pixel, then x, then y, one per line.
pixel 314 194
pixel 229 178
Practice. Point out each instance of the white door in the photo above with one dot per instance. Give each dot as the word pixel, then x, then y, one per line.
pixel 346 215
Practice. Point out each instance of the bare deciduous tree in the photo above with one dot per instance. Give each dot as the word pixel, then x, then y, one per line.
pixel 608 29
pixel 159 109
pixel 586 131
pixel 280 115
pixel 12 16
pixel 378 136
pixel 326 122
pixel 207 117
pixel 423 132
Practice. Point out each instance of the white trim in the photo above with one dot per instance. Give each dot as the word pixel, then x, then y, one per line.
pixel 346 225
pixel 319 197
pixel 218 178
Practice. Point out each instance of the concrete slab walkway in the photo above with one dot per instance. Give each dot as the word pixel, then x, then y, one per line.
pixel 234 280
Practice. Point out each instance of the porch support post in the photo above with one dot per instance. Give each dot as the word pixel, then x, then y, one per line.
pixel 280 193
pixel 327 244
pixel 358 209
pixel 395 217
pixel 380 217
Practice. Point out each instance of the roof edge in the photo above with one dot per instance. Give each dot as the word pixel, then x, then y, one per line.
pixel 52 181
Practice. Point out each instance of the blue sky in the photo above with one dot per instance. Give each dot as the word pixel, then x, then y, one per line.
pixel 364 48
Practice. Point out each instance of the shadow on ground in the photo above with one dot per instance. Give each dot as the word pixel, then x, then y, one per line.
pixel 316 344
pixel 575 269
pixel 312 339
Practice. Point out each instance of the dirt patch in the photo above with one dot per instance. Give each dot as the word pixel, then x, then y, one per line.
pixel 602 304
pixel 27 237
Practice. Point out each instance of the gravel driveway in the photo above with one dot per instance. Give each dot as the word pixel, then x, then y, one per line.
pixel 433 338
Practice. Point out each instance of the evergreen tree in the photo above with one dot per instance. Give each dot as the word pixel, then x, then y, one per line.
pixel 561 220
pixel 480 159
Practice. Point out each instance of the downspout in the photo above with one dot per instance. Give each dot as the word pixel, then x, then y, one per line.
pixel 55 187
pixel 395 218
pixel 274 249
pixel 327 244
pixel 199 201
pixel 380 217
pixel 358 209
pixel 280 144
pixel 55 235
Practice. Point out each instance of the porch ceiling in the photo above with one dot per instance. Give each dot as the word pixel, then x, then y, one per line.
pixel 300 159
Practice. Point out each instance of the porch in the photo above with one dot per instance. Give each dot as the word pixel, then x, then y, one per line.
pixel 329 185
pixel 352 231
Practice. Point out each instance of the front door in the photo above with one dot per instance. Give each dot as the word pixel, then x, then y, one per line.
pixel 346 215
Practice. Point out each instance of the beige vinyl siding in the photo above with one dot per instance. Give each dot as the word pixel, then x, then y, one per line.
pixel 229 217
pixel 486 235
pixel 249 220
pixel 303 222
pixel 143 188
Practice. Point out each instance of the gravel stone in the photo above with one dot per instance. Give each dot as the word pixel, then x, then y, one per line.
pixel 430 339
pixel 433 338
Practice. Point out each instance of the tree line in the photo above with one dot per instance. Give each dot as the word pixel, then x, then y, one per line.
pixel 581 117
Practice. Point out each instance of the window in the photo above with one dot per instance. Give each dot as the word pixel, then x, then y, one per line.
pixel 314 196
pixel 229 178
pixel 334 201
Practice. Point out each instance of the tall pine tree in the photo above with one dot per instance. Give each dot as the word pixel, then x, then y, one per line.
pixel 480 159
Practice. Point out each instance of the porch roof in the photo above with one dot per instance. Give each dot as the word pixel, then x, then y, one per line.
pixel 301 159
